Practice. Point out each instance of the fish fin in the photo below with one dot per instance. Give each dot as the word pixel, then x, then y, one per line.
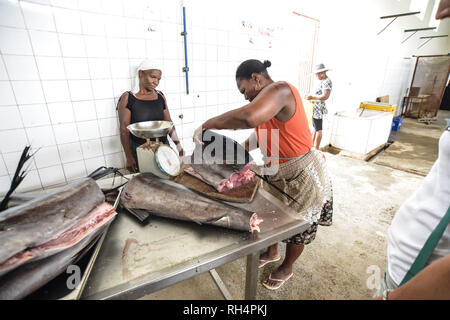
pixel 19 175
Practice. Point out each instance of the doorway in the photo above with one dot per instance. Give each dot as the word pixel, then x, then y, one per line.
pixel 427 86
pixel 308 35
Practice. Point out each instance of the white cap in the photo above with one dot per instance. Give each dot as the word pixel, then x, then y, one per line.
pixel 145 65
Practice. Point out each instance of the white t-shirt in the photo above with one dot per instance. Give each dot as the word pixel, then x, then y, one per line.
pixel 320 106
pixel 419 216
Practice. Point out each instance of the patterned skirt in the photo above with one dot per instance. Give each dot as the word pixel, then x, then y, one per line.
pixel 306 180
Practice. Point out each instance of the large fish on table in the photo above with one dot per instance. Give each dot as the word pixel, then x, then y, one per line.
pixel 167 199
pixel 52 223
pixel 221 162
pixel 26 279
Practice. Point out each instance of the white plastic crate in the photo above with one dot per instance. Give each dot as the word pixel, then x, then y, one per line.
pixel 363 134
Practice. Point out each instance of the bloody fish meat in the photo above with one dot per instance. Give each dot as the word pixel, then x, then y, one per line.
pixel 222 176
pixel 167 199
pixel 40 220
pixel 221 162
pixel 29 277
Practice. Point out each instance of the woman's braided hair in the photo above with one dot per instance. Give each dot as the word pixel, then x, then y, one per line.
pixel 246 68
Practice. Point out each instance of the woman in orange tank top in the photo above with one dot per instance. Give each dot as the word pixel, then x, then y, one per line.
pixel 292 165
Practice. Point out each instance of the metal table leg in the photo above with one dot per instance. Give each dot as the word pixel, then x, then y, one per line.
pixel 223 289
pixel 251 276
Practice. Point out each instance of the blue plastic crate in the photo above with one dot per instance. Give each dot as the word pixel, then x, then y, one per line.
pixel 396 123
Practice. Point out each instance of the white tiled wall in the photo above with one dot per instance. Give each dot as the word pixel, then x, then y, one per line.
pixel 64 64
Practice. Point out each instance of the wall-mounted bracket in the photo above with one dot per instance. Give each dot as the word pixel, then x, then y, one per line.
pixel 414 31
pixel 431 38
pixel 395 16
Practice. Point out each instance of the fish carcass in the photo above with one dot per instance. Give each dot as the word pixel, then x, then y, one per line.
pixel 50 224
pixel 221 162
pixel 26 279
pixel 168 199
pixel 222 176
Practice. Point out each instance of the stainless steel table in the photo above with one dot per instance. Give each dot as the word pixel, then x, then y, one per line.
pixel 135 260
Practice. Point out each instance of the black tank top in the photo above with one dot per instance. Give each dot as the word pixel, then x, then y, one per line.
pixel 146 110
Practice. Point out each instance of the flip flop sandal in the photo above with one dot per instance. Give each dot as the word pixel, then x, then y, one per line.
pixel 268 261
pixel 279 280
pixel 325 223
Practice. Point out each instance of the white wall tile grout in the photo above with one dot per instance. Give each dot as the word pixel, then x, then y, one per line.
pixel 74 161
pixel 63 79
pixel 237 33
pixel 4 164
pixel 130 84
pixel 70 8
pixel 42 126
pixel 21 119
pixel 74 100
pixel 70 93
pixel 45 98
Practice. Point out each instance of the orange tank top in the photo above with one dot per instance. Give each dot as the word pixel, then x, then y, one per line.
pixel 294 136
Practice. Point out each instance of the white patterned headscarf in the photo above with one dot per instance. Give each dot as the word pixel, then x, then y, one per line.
pixel 145 65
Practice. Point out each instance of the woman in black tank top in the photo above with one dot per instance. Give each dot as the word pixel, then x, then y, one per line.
pixel 147 104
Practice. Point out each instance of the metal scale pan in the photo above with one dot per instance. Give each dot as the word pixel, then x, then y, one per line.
pixel 154 156
pixel 150 129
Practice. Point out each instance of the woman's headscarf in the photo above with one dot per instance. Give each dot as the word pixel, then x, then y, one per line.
pixel 145 65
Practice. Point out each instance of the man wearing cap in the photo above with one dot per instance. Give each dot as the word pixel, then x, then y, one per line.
pixel 321 94
pixel 145 103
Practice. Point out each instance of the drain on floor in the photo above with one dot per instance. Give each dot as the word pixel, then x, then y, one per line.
pixel 372 158
pixel 368 157
pixel 330 149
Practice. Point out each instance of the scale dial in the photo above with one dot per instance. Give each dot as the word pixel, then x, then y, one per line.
pixel 168 160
